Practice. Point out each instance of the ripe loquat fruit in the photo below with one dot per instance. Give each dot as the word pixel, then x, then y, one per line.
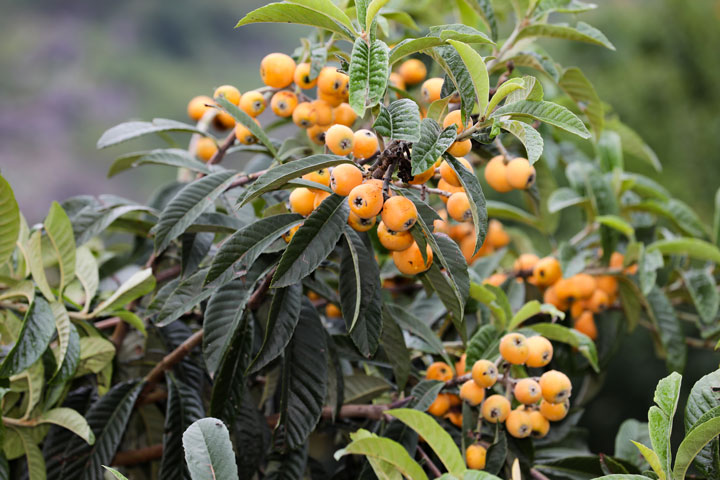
pixel 445 186
pixel 301 77
pixel 525 263
pixel 448 173
pixel 283 103
pixel 519 423
pixel 599 301
pixel 345 177
pixel 440 405
pixel 455 118
pixel 556 386
pixel 495 408
pixel 198 106
pixel 472 393
pixel 461 148
pixel 290 234
pixel 252 103
pixel 455 417
pixel 540 424
pixel 551 297
pixel 366 144
pixel 321 113
pixel 302 200
pixel 332 310
pixel 230 93
pixel 413 71
pixel 554 411
pixel 410 260
pixel 540 351
pixel 366 200
pixel 361 224
pixel 277 70
pixel 205 148
pixel 392 239
pixel 527 391
pixel 345 115
pixel 513 348
pixel 585 323
pixel 431 89
pixel 458 207
pixel 223 121
pixel 584 285
pixel 496 234
pixel 399 213
pixel 330 81
pixel 520 174
pixel 320 196
pixel 334 100
pixel 484 373
pixel 496 174
pixel 475 457
pixel 302 115
pixel 339 139
pixel 244 135
pixel 460 365
pixel 467 247
pixel 547 271
pixel 396 81
pixel 316 134
pixel 496 279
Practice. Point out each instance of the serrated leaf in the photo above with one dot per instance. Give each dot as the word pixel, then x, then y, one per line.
pixel 35 261
pixel 327 7
pixel 140 283
pixel 478 72
pixel 37 330
pixel 208 450
pixel 185 207
pixel 304 378
pixel 461 33
pixel 298 14
pixel 399 121
pixel 528 136
pixel 387 451
pixel 547 112
pixel 250 242
pixel 693 247
pixel 86 271
pixel 693 444
pixel 179 296
pixel 129 130
pixel 648 265
pixel 171 157
pixel 482 344
pixel 669 330
pixel 425 393
pixel 485 9
pixel 282 319
pixel 70 420
pixel 436 437
pixel 583 93
pixel 9 220
pixel 281 174
pixel 478 205
pixel 703 291
pixel 682 216
pixel 572 337
pixel 432 143
pixel 184 406
pixel 243 118
pixel 368 74
pixel 313 241
pixel 60 233
pixel 582 32
pixel 358 280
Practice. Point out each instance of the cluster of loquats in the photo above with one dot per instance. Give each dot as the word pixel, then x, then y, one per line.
pixel 505 174
pixel 524 404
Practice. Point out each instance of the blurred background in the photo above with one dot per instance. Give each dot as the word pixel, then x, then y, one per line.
pixel 69 70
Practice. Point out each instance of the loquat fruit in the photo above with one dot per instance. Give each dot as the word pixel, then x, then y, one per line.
pixel 345 115
pixel 540 424
pixel 520 174
pixel 399 213
pixel 345 177
pixel 205 148
pixel 316 134
pixel 223 120
pixel 527 391
pixel 332 310
pixel 458 207
pixel 496 279
pixel 396 81
pixel 290 234
pixel 366 144
pixel 321 176
pixel 321 113
pixel 461 230
pixel 455 417
pixel 475 457
pixel 445 186
pixel 361 224
pixel 431 89
pixel 413 71
pixel 302 200
pixel 585 323
pixel 230 93
pixel 252 103
pixel 393 240
pixel 513 348
pixel 461 148
pixel 244 135
pixel 472 393
pixel 455 118
pixel 283 103
pixel 198 106
pixel 410 260
pixel 599 301
pixel 339 139
pixel 496 174
pixel 519 423
pixel 440 405
pixel 302 115
pixel 277 70
pixel 547 271
pixel 554 411
pixel 301 77
pixel 525 262
pixel 608 284
pixel 495 408
pixel 334 100
pixel 460 365
pixel 366 200
pixel 584 285
pixel 320 196
pixel 330 81
pixel 556 386
pixel 540 351
pixel 484 373
pixel 448 173
pixel 551 297
pixel 467 247
pixel 439 371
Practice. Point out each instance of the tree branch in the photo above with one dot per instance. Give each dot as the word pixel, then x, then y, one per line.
pixel 129 458
pixel 171 360
pixel 229 141
pixel 433 468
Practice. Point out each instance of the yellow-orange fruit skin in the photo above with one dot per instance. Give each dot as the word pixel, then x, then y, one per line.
pixel 540 351
pixel 290 234
pixel 197 107
pixel 461 148
pixel 472 393
pixel 550 296
pixel 484 373
pixel 340 139
pixel 496 234
pixel 431 88
pixel 513 348
pixel 361 224
pixel 440 405
pixel 410 260
pixel 475 457
pixel 393 240
pixel 413 71
pixel 302 115
pixel 455 118
pixel 455 417
pixel 345 177
pixel 277 70
pixel 496 175
pixel 554 411
pixel 547 271
pixel 527 391
pixel 283 103
pixel 252 103
pixel 556 386
pixel 520 174
pixel 496 279
pixel 365 145
pixel 302 200
pixel 540 424
pixel 460 365
pixel 525 263
pixel 321 176
pixel 331 82
pixel 223 121
pixel 332 310
pixel 320 197
pixel 584 285
pixel 230 93
pixel 445 186
pixel 366 200
pixel 585 323
pixel 448 173
pixel 244 135
pixel 205 148
pixel 396 81
pixel 439 371
pixel 399 213
pixel 301 77
pixel 495 408
pixel 345 115
pixel 316 134
pixel 321 113
pixel 598 301
pixel 458 207
pixel 519 424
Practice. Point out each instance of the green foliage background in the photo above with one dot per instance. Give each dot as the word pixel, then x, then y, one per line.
pixel 72 69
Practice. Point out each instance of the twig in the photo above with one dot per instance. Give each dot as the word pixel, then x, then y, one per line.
pixel 107 323
pixel 388 176
pixel 501 148
pixel 129 458
pixel 433 468
pixel 259 295
pixel 371 412
pixel 171 360
pixel 537 475
pixel 436 191
pixel 168 273
pixel 229 141
pixel 247 179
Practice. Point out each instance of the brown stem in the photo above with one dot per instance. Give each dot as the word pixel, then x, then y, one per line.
pixel 217 158
pixel 129 458
pixel 170 360
pixel 371 412
pixel 388 175
pixel 168 273
pixel 259 295
pixel 537 475
pixel 107 323
pixel 247 179
pixel 436 191
pixel 433 468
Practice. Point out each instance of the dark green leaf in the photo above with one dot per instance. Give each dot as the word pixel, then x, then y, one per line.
pixel 399 121
pixel 432 143
pixel 583 93
pixel 243 118
pixel 701 400
pixel 478 206
pixel 393 344
pixel 368 74
pixel 282 319
pixel 547 112
pixel 184 406
pixel 37 330
pixel 668 328
pixel 9 220
pixel 703 291
pixel 129 130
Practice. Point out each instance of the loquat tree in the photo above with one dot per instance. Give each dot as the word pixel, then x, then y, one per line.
pixel 414 264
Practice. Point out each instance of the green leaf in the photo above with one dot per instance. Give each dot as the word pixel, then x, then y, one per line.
pixel 208 450
pixel 432 143
pixel 572 337
pixel 617 223
pixel 184 406
pixel 92 220
pixel 547 112
pixel 582 32
pixel 140 283
pixel 461 33
pixel 298 14
pixel 171 157
pixel 287 465
pixel 386 450
pixel 115 473
pixel 609 150
pixel 9 220
pixel 532 90
pixel 425 393
pixel 410 46
pixel 96 353
pixel 692 247
pixel 70 420
pixel 185 207
pixel 129 130
pixel 660 418
pixel 457 72
pixel 35 460
pixel 108 418
pixel 483 344
pixel 564 197
pixel 540 62
pixel 703 291
pixel 368 74
pixel 71 359
pixel 669 330
pixel 528 136
pixel 478 205
pixel 693 444
pixel 37 330
pixel 652 458
pixel 60 233
pixel 179 296
pixel 363 388
pixel 563 6
pixel 399 121
pixel 304 378
pixel 282 319
pixel 700 401
pixel 485 9
pixel 373 8
pixel 398 354
pixel 477 70
pixel 633 144
pixel 676 211
pixel 583 93
pixel 63 327
pixel 527 311
pixel 313 241
pixel 86 271
pixel 358 280
pixel 327 7
pixel 417 327
pixel 437 438
pixel 501 210
pixel 631 430
pixel 281 174
pixel 250 242
pixel 648 265
pixel 243 118
pixel 716 219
